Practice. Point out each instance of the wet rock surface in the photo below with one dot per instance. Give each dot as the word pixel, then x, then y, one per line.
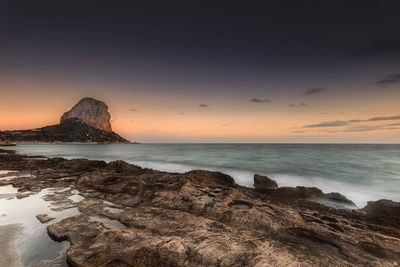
pixel 130 216
pixel 44 218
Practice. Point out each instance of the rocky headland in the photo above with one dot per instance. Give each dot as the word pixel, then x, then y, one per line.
pixel 131 216
pixel 87 122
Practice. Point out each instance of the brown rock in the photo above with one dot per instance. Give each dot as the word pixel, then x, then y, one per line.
pixel 92 112
pixel 44 218
pixel 123 166
pixel 21 195
pixel 263 182
pixel 384 211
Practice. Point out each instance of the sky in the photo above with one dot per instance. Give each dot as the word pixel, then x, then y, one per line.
pixel 207 71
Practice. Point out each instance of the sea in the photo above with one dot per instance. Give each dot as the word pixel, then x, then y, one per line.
pixel 361 172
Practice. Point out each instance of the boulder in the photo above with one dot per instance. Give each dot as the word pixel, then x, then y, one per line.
pixel 263 182
pixel 385 211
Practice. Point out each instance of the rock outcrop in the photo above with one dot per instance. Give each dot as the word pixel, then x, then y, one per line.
pixel 383 210
pixel 132 216
pixel 263 182
pixel 87 122
pixel 91 111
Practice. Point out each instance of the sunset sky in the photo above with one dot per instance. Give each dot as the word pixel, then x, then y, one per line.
pixel 280 71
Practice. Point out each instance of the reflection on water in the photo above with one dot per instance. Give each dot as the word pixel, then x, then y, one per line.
pixel 33 245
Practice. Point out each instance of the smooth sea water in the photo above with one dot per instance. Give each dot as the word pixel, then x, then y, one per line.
pixel 360 172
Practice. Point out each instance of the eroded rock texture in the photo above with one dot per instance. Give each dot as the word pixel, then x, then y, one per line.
pixel 92 112
pixel 140 217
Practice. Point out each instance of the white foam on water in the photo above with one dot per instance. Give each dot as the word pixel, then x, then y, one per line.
pixel 358 193
pixel 244 178
pixel 164 166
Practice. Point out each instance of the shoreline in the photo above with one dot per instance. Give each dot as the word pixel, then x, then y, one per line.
pixel 349 170
pixel 168 215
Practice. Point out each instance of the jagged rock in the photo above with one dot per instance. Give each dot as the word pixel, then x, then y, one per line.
pixel 123 166
pixel 263 182
pixel 293 194
pixel 92 112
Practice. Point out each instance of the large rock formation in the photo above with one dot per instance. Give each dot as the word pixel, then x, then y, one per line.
pixel 87 122
pixel 92 112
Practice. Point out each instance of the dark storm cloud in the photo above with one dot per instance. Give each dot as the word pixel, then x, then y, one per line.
pixel 203 105
pixel 299 105
pixel 313 91
pixel 389 79
pixel 258 100
pixel 344 123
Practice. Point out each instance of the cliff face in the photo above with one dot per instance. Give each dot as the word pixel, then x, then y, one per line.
pixel 92 112
pixel 87 122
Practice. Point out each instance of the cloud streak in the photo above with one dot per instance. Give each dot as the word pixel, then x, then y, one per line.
pixel 367 128
pixel 259 101
pixel 299 105
pixel 344 123
pixel 313 91
pixel 327 124
pixel 203 105
pixel 389 79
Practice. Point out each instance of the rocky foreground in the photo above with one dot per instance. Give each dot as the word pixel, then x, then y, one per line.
pixel 132 216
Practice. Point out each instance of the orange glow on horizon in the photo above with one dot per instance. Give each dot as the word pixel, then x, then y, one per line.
pixel 140 115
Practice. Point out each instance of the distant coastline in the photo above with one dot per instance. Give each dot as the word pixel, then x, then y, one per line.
pixel 66 143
